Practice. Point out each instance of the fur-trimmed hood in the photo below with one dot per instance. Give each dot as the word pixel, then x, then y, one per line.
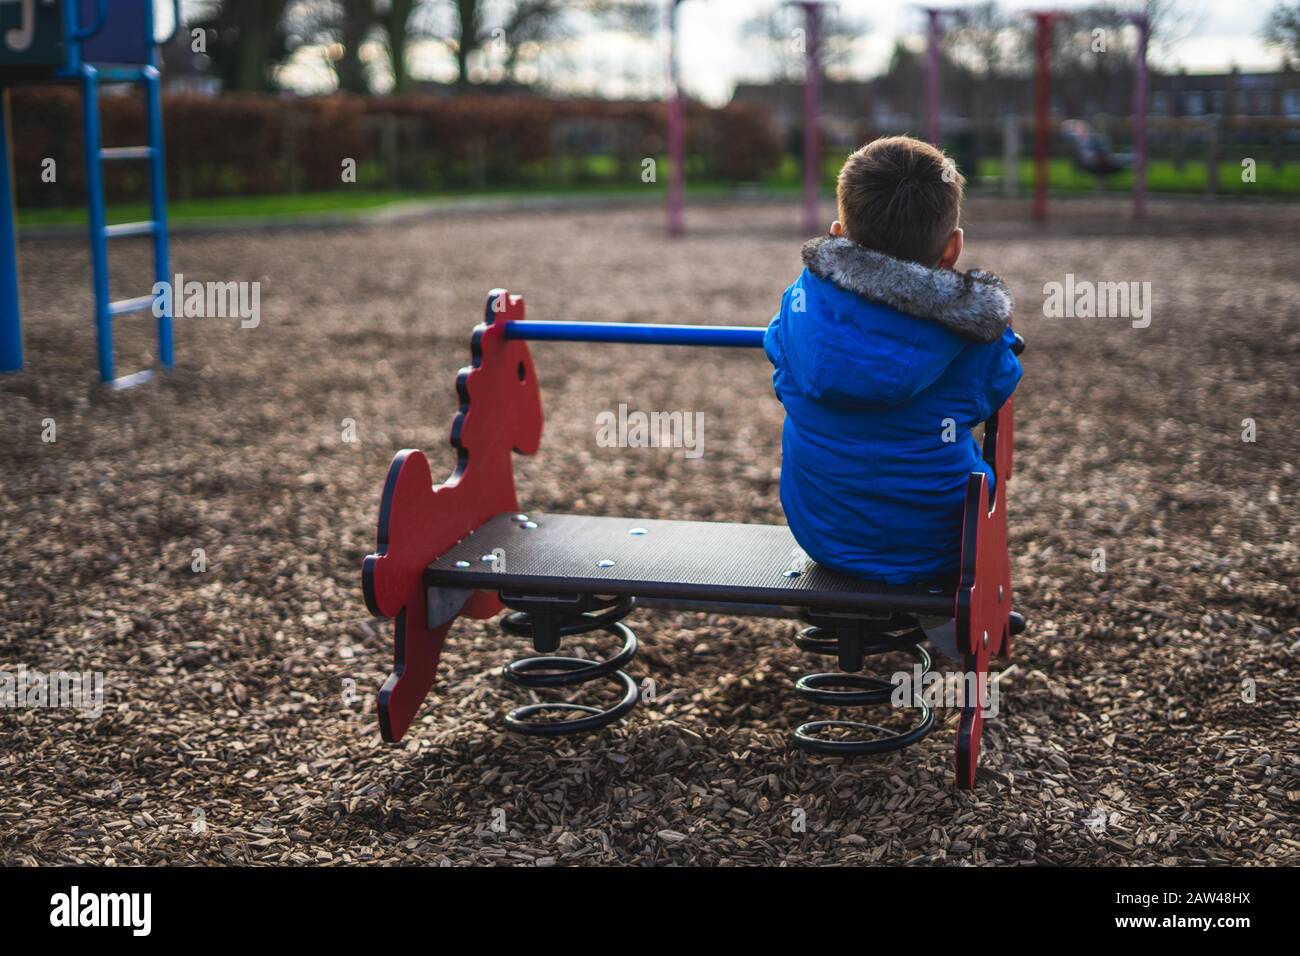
pixel 975 305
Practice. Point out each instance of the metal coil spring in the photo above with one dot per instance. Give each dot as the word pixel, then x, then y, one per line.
pixel 546 622
pixel 851 640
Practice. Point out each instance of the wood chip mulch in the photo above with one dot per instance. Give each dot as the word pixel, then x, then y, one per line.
pixel 1149 715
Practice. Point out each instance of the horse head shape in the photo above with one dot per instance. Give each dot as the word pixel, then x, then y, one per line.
pixel 500 413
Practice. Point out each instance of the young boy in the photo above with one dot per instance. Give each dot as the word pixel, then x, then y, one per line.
pixel 886 358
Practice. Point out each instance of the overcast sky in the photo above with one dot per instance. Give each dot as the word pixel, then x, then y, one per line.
pixel 715 54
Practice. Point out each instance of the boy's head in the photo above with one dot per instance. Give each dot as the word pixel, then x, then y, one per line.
pixel 902 197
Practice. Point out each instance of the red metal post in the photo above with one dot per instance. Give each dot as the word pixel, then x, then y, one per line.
pixel 812 144
pixel 1042 111
pixel 676 131
pixel 1141 96
pixel 934 74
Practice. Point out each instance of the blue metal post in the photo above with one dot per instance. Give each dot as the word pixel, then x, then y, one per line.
pixel 95 207
pixel 158 207
pixel 75 34
pixel 11 325
pixel 725 336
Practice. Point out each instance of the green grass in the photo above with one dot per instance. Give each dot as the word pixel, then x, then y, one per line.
pixel 1162 177
pixel 341 201
pixel 221 208
pixel 785 182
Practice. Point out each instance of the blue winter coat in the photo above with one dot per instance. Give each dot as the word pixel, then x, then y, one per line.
pixel 884 367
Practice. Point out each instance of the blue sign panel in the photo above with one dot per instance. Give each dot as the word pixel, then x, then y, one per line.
pixel 127 36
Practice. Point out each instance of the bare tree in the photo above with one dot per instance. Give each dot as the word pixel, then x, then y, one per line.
pixel 984 47
pixel 1282 31
pixel 396 19
pixel 355 21
pixel 779 31
pixel 1170 23
pixel 247 40
pixel 986 40
pixel 515 29
pixel 467 27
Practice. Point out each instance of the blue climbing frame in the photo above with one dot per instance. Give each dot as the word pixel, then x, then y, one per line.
pixel 91 43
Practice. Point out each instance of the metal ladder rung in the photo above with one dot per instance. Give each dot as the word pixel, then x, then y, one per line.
pixel 121 75
pixel 124 229
pixel 132 380
pixel 126 152
pixel 127 306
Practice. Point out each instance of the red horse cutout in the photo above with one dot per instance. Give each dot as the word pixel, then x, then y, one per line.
pixel 984 590
pixel 500 412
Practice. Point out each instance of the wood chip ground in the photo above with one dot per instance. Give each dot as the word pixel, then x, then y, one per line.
pixel 1150 715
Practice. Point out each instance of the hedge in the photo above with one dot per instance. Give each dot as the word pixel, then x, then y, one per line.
pixel 240 144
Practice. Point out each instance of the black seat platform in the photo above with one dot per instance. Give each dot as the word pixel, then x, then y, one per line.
pixel 690 561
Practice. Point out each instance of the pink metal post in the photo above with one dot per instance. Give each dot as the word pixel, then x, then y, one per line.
pixel 1042 111
pixel 1140 106
pixel 934 74
pixel 812 145
pixel 676 132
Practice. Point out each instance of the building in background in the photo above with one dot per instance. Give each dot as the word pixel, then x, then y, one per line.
pixel 884 103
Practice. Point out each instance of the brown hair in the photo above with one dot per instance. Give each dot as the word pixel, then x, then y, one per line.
pixel 902 197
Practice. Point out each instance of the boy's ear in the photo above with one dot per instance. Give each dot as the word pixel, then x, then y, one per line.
pixel 837 228
pixel 953 248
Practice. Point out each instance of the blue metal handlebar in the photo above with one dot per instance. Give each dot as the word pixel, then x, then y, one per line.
pixel 725 336
pixel 101 16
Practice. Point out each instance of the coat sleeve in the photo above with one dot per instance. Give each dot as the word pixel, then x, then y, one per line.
pixel 772 342
pixel 1003 375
